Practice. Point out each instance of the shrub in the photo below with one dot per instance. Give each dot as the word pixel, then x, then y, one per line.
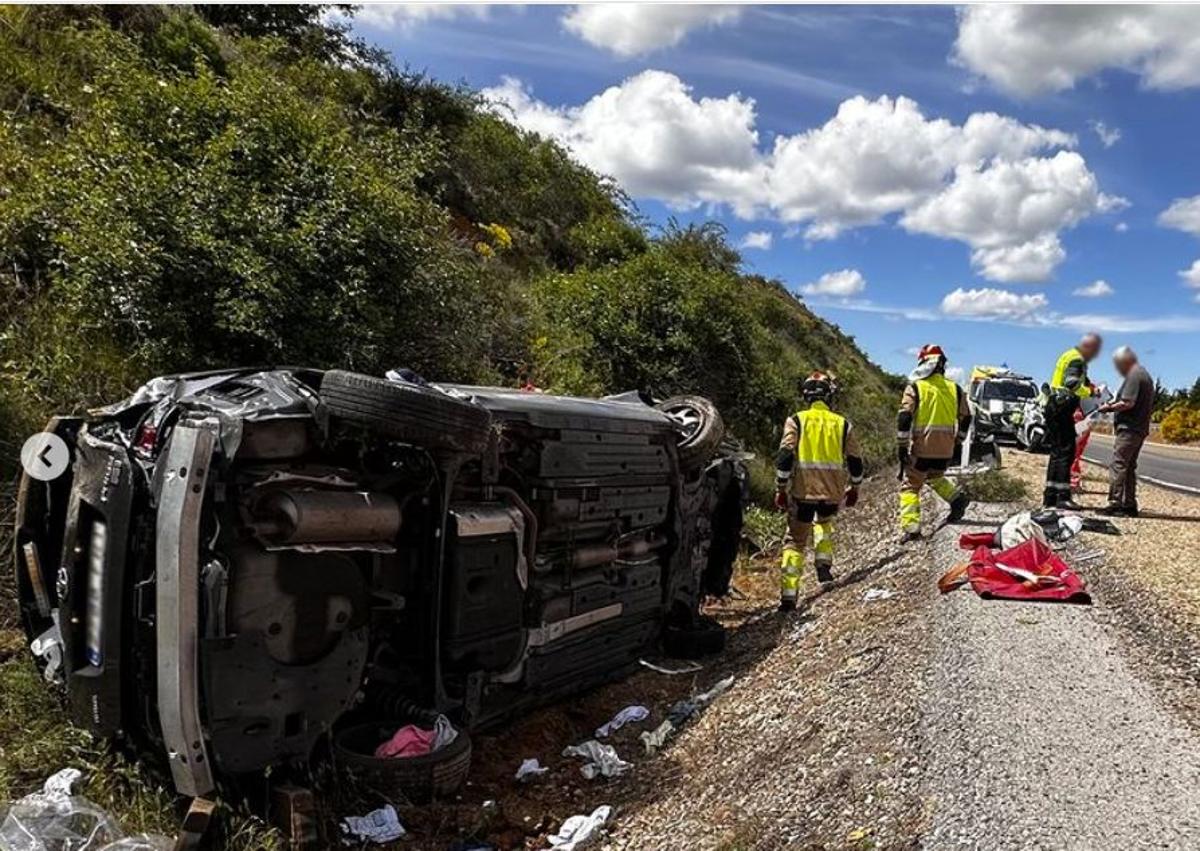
pixel 1181 424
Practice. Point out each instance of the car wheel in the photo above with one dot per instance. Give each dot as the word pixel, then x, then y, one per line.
pixel 700 426
pixel 423 416
pixel 704 637
pixel 419 779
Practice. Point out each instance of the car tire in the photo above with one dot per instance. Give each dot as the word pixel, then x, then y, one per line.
pixel 419 779
pixel 701 426
pixel 423 416
pixel 704 637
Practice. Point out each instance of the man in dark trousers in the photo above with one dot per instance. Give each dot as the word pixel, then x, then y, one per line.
pixel 1068 384
pixel 1131 425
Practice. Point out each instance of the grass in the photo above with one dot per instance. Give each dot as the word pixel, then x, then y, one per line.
pixel 995 486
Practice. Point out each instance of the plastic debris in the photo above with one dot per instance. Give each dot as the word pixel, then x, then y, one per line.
pixel 580 831
pixel 655 739
pixel 874 594
pixel 378 826
pixel 529 769
pixel 688 668
pixel 56 820
pixel 602 760
pixel 48 647
pixel 628 715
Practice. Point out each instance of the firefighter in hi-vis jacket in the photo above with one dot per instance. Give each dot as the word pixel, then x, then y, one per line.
pixel 934 416
pixel 819 466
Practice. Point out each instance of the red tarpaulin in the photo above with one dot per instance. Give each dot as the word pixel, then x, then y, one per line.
pixel 1029 571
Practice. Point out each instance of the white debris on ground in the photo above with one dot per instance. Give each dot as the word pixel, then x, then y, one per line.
pixel 378 826
pixel 56 819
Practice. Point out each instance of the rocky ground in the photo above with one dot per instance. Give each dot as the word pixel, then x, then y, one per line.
pixel 891 719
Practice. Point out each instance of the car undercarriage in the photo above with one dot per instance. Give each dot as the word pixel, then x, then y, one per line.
pixel 239 564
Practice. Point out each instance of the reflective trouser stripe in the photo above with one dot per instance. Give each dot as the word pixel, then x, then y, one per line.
pixel 910 496
pixel 790 568
pixel 944 488
pixel 910 510
pixel 823 542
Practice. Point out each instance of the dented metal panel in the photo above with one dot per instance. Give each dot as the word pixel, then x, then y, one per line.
pixel 180 499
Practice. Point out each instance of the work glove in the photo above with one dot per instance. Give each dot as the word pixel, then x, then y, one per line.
pixel 781 500
pixel 851 498
pixel 902 458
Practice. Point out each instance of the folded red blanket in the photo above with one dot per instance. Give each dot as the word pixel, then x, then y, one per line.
pixel 1029 571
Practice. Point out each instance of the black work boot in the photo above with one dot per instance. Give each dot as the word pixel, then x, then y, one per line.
pixel 824 573
pixel 958 508
pixel 787 604
pixel 909 537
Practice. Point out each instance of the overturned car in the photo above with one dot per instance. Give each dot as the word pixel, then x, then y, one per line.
pixel 238 565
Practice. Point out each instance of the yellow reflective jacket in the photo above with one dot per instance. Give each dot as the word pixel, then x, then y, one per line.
pixel 937 405
pixel 821 440
pixel 1059 379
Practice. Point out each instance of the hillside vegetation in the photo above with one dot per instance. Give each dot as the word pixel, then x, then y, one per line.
pixel 192 187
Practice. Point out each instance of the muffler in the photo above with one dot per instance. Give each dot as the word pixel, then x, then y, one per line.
pixel 287 517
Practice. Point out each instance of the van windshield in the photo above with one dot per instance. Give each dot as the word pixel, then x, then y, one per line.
pixel 1008 391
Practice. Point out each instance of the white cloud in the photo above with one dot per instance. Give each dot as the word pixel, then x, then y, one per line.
pixel 1120 227
pixel 406 16
pixel 633 29
pixel 1010 212
pixel 655 138
pixel 1183 214
pixel 981 182
pixel 1027 262
pixel 1027 49
pixel 991 303
pixel 1096 289
pixel 1107 135
pixel 760 239
pixel 1100 322
pixel 1191 275
pixel 879 157
pixel 840 284
pixel 955 373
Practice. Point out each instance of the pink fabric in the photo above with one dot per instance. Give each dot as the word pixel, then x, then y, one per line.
pixel 409 740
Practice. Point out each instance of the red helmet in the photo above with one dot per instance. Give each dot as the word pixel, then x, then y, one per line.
pixel 818 385
pixel 930 350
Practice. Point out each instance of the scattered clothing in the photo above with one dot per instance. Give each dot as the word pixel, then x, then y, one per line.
pixel 628 715
pixel 529 769
pixel 580 831
pixel 602 760
pixel 1029 571
pixel 1047 525
pixel 656 738
pixel 379 826
pixel 874 594
pixel 411 740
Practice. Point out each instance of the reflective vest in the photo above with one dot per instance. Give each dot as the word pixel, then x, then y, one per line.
pixel 1060 373
pixel 822 439
pixel 937 406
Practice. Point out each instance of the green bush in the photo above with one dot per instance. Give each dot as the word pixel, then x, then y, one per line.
pixel 1181 424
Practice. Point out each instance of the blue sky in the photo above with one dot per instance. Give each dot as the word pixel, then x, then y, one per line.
pixel 918 174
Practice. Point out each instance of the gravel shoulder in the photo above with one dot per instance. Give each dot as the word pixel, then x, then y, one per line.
pixel 1043 733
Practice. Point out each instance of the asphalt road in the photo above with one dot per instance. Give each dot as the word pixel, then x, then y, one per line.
pixel 1043 734
pixel 1169 467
